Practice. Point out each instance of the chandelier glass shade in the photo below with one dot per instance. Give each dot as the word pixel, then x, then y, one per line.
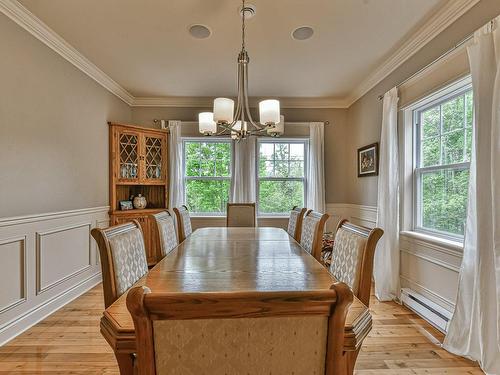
pixel 227 119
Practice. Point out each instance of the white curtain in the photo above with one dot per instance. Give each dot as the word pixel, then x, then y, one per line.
pixel 243 185
pixel 315 198
pixel 474 330
pixel 176 179
pixel 386 263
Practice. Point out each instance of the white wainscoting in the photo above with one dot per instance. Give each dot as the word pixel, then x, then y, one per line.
pixel 46 261
pixel 49 259
pixel 357 214
pixel 428 268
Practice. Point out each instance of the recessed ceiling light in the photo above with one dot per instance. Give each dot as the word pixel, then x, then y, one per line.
pixel 199 31
pixel 302 33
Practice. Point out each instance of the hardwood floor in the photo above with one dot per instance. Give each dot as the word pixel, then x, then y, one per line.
pixel 69 342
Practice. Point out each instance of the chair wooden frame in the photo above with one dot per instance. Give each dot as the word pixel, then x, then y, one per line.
pixel 298 226
pixel 158 233
pixel 145 307
pixel 102 237
pixel 251 205
pixel 181 234
pixel 318 235
pixel 366 270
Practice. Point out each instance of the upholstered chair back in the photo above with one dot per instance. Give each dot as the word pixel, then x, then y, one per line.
pixel 311 237
pixel 294 332
pixel 166 232
pixel 184 228
pixel 240 215
pixel 123 258
pixel 295 222
pixel 352 257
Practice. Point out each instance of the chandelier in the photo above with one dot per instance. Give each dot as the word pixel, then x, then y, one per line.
pixel 239 124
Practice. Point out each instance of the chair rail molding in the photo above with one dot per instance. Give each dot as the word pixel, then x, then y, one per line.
pixel 47 260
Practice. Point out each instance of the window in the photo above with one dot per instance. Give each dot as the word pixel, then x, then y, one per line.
pixel 281 174
pixel 443 140
pixel 207 175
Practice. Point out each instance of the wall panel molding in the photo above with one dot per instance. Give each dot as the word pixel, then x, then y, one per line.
pixel 358 214
pixel 431 259
pixel 23 275
pixel 39 255
pixel 57 262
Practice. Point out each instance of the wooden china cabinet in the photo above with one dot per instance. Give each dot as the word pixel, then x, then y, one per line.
pixel 138 161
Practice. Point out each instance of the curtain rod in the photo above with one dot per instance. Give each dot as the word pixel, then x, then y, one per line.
pixel 439 58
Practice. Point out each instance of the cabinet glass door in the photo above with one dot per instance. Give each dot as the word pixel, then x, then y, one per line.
pixel 153 158
pixel 129 156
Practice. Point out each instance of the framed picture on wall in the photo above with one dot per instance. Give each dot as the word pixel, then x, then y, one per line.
pixel 368 160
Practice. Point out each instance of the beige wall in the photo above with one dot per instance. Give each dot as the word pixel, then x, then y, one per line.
pixel 335 136
pixel 365 116
pixel 53 131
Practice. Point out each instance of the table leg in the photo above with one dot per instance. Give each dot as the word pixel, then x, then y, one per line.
pixel 125 363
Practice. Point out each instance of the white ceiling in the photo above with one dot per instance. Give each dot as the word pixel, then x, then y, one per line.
pixel 145 46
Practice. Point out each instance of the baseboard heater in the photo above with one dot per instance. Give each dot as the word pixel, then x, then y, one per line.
pixel 430 311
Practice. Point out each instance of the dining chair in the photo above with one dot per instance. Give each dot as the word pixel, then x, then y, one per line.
pixel 123 258
pixel 184 228
pixel 311 236
pixel 294 332
pixel 352 263
pixel 295 222
pixel 240 215
pixel 166 232
pixel 352 257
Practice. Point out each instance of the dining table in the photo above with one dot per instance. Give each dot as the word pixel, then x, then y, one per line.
pixel 223 259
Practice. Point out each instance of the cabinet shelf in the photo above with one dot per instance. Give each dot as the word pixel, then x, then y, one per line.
pixel 145 211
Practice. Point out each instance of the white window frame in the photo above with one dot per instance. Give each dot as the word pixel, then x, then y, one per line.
pixel 412 220
pixel 206 178
pixel 305 142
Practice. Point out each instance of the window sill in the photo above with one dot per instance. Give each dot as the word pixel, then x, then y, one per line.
pixel 448 244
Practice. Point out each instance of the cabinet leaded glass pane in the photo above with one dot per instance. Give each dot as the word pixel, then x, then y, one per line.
pixel 128 156
pixel 153 158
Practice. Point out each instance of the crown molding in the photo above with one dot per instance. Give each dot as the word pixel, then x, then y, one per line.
pixel 444 17
pixel 202 102
pixel 36 27
pixel 439 21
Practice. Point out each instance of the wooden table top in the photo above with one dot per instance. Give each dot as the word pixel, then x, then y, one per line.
pixel 234 259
